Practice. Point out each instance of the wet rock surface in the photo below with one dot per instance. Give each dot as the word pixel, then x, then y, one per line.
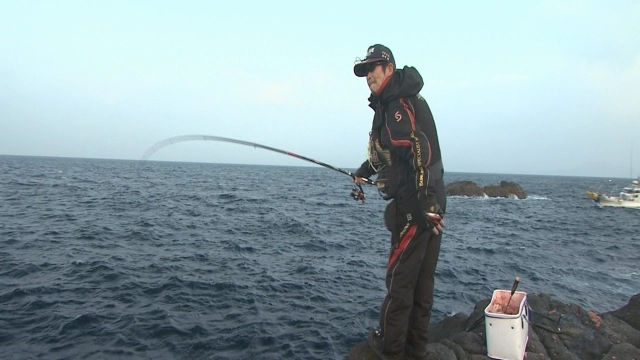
pixel 557 331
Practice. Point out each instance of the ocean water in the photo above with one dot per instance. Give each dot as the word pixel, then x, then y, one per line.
pixel 103 259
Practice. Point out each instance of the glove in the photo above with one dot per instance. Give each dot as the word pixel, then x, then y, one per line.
pixel 430 210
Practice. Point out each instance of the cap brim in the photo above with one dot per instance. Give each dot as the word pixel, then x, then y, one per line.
pixel 360 69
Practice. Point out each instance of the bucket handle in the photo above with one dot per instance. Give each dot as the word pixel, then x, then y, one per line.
pixel 525 314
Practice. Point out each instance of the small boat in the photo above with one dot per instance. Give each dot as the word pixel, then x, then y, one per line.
pixel 629 197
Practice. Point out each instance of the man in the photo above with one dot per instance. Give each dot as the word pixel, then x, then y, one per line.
pixel 405 154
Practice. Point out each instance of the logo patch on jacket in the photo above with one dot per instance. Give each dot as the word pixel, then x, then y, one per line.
pixel 398 116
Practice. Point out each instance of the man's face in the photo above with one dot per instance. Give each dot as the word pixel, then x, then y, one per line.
pixel 378 72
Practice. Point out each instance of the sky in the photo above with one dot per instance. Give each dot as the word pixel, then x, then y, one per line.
pixel 516 87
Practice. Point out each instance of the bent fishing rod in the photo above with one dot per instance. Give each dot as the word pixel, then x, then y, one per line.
pixel 177 139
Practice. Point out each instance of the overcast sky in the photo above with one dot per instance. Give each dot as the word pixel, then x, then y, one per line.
pixel 516 87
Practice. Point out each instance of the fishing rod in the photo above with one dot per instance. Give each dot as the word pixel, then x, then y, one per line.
pixel 177 139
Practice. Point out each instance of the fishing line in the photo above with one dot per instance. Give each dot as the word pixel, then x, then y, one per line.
pixel 177 139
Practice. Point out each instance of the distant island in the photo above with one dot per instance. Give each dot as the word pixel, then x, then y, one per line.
pixel 506 189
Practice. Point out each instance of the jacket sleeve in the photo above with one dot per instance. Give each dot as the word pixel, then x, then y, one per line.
pixel 412 146
pixel 365 170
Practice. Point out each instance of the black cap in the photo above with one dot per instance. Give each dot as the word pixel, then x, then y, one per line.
pixel 375 53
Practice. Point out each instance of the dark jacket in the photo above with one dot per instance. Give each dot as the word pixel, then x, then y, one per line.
pixel 403 147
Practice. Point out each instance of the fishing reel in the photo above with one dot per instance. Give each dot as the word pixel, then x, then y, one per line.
pixel 357 193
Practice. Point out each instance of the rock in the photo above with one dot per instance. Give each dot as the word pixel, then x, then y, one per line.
pixel 362 351
pixel 534 356
pixel 506 189
pixel 535 349
pixel 582 337
pixel 435 351
pixel 620 332
pixel 457 350
pixel 439 352
pixel 448 327
pixel 464 188
pixel 471 343
pixel 630 313
pixel 479 357
pixel 580 334
pixel 623 351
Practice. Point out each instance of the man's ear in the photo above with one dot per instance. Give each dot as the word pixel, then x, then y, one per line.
pixel 390 67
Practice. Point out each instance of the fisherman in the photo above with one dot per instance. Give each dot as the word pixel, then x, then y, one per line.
pixel 404 152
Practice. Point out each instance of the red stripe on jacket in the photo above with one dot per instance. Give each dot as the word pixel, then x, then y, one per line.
pixel 411 116
pixel 413 126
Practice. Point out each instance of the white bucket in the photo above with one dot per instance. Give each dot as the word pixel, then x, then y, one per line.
pixel 507 329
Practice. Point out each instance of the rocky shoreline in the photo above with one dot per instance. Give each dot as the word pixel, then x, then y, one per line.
pixel 557 331
pixel 506 189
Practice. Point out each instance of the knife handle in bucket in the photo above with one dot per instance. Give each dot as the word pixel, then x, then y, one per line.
pixel 515 285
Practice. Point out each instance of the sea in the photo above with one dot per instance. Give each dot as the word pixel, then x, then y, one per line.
pixel 115 259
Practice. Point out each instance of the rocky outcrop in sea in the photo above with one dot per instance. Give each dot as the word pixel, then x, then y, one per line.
pixel 557 331
pixel 506 189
